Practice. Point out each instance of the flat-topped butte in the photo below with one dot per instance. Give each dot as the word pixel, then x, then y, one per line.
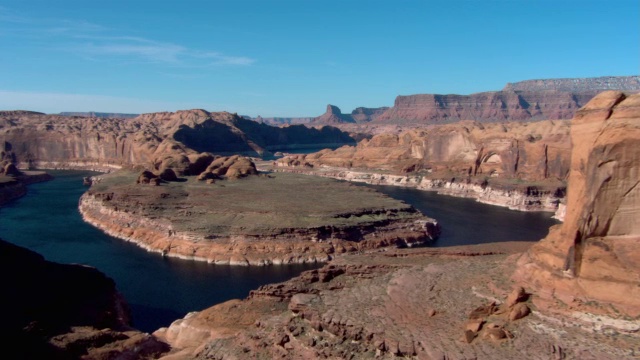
pixel 271 218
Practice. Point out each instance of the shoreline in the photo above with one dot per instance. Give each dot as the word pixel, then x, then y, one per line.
pixel 298 246
pixel 513 199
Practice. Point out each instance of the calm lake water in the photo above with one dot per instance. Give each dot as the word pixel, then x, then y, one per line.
pixel 466 221
pixel 160 290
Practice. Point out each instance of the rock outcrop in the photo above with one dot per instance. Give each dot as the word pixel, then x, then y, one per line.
pixel 54 141
pixel 58 311
pixel 594 256
pixel 332 116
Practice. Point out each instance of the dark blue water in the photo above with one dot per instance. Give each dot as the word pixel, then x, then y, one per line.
pixel 158 290
pixel 466 221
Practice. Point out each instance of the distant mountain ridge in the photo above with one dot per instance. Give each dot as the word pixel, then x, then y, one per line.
pixel 99 115
pixel 529 100
pixel 628 83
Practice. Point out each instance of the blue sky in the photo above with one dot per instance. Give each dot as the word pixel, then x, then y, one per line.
pixel 291 58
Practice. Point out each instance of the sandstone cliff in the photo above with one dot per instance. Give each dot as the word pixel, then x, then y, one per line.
pixel 594 255
pixel 56 141
pixel 524 101
pixel 529 151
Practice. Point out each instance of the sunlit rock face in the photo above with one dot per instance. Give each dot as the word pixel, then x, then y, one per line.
pixel 595 254
pixel 40 140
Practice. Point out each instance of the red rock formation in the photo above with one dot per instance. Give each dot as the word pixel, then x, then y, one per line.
pixel 57 141
pixel 594 255
pixel 486 106
pixel 332 116
pixel 528 151
pixel 523 101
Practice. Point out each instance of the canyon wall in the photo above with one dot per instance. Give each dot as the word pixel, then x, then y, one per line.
pixel 486 106
pixel 35 139
pixel 594 255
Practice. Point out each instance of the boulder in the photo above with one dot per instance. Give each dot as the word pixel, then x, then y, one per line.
pixel 519 311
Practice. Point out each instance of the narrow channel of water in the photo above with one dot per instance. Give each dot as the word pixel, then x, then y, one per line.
pixel 158 290
pixel 467 222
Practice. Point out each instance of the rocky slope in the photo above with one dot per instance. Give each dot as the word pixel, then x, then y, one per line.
pixel 58 311
pixel 454 303
pixel 594 258
pixel 40 140
pixel 259 220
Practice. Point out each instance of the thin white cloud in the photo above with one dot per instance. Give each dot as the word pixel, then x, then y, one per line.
pixel 141 49
pixel 96 42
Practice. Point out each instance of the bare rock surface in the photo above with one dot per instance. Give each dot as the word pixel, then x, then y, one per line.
pixel 592 260
pixel 379 306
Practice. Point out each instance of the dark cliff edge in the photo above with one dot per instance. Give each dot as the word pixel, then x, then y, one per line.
pixel 59 311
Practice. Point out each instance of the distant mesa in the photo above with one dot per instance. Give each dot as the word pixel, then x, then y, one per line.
pixel 530 100
pixel 628 83
pixel 333 116
pixel 278 121
pixel 99 115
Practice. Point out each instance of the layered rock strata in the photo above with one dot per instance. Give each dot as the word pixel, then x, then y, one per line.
pixel 594 257
pixel 254 221
pixel 525 101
